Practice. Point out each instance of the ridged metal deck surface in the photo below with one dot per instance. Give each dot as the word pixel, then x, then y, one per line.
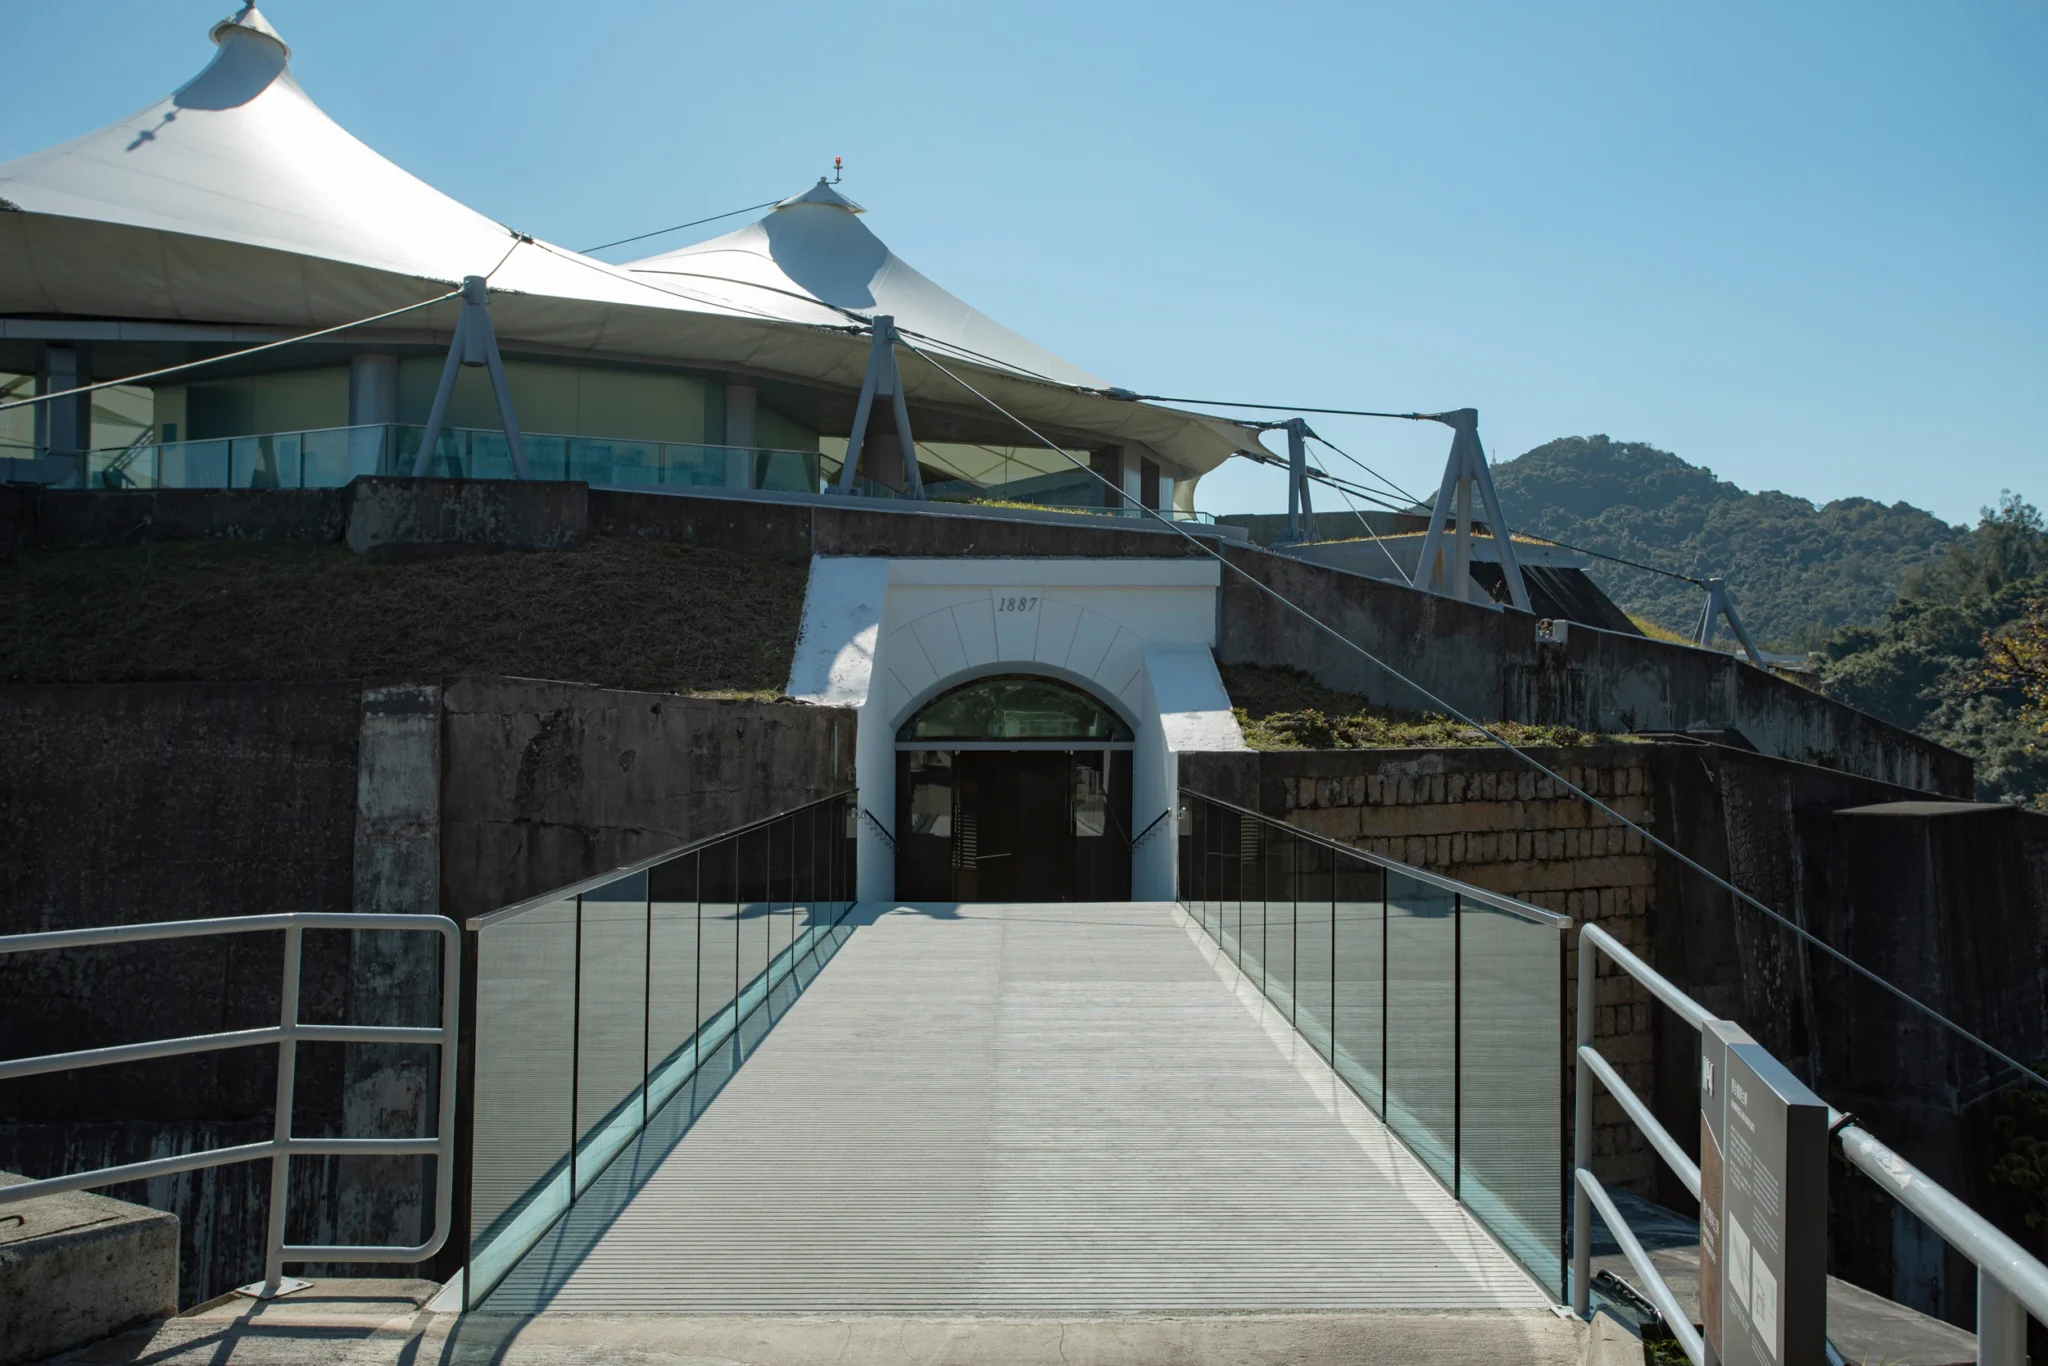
pixel 1018 1109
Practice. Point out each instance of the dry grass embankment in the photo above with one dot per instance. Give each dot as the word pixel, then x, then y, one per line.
pixel 642 615
pixel 1285 708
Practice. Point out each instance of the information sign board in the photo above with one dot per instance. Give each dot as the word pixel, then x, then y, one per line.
pixel 1763 1206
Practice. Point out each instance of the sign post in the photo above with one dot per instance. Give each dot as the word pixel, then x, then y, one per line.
pixel 1763 1207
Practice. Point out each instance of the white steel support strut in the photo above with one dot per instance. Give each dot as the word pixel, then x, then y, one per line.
pixel 1465 471
pixel 1721 603
pixel 474 343
pixel 882 381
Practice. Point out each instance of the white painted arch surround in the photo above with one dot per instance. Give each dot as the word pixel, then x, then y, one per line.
pixel 887 635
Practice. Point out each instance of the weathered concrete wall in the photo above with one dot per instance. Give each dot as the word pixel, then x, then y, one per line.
pixel 49 518
pixel 1486 662
pixel 77 1268
pixel 123 803
pixel 548 783
pixel 1489 664
pixel 1969 937
pixel 388 1091
pixel 132 802
pixel 392 516
pixel 1952 907
pixel 126 802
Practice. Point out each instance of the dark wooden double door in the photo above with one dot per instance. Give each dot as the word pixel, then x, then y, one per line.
pixel 1013 825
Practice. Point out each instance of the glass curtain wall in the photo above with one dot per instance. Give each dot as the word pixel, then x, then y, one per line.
pixel 1440 1004
pixel 595 1004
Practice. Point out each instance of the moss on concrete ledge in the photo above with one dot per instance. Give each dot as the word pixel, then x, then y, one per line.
pixel 1285 708
pixel 643 615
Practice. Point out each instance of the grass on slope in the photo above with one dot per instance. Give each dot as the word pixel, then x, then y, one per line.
pixel 643 615
pixel 1285 708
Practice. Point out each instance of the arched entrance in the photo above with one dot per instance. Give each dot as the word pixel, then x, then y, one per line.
pixel 1015 787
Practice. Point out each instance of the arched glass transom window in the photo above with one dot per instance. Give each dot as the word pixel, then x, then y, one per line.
pixel 1014 707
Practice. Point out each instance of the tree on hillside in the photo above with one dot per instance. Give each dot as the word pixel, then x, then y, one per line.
pixel 1958 657
pixel 2016 660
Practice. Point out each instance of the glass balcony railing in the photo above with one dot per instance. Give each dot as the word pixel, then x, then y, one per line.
pixel 330 457
pixel 1438 1003
pixel 598 1004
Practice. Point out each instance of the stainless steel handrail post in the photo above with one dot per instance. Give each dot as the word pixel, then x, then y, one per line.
pixel 1582 1138
pixel 2011 1284
pixel 287 1034
pixel 281 1123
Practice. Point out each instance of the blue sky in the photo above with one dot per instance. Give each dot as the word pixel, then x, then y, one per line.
pixel 1801 245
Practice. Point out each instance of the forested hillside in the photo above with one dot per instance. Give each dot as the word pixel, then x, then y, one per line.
pixel 1797 571
pixel 1962 656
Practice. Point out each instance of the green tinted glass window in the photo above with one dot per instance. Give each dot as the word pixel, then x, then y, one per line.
pixel 1015 707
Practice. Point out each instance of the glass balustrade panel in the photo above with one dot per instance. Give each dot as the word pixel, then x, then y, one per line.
pixel 781 891
pixel 1511 999
pixel 756 918
pixel 719 957
pixel 803 876
pixel 1421 1020
pixel 604 461
pixel 672 981
pixel 1357 1000
pixel 193 465
pixel 525 1068
pixel 1276 945
pixel 1244 914
pixel 333 457
pixel 1314 929
pixel 612 1028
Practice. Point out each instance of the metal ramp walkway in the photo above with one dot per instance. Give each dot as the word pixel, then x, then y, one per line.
pixel 1017 1109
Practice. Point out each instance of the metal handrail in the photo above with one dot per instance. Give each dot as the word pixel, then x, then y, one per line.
pixel 2011 1283
pixel 597 880
pixel 286 1035
pixel 1495 900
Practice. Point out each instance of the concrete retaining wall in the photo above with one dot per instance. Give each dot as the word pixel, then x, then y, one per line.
pixel 122 803
pixel 1489 664
pixel 1485 662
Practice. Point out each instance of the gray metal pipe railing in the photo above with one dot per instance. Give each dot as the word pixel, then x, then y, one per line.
pixel 2011 1283
pixel 286 1035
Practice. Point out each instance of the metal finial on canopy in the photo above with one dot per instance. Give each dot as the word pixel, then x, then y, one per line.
pixel 248 19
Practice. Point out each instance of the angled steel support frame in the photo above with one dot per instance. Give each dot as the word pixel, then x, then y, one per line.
pixel 1301 513
pixel 1720 603
pixel 882 381
pixel 1463 472
pixel 474 343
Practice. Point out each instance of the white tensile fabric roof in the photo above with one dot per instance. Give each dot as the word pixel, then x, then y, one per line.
pixel 237 200
pixel 814 244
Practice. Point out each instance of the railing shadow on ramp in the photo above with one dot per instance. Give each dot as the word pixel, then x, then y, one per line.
pixel 540 1274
